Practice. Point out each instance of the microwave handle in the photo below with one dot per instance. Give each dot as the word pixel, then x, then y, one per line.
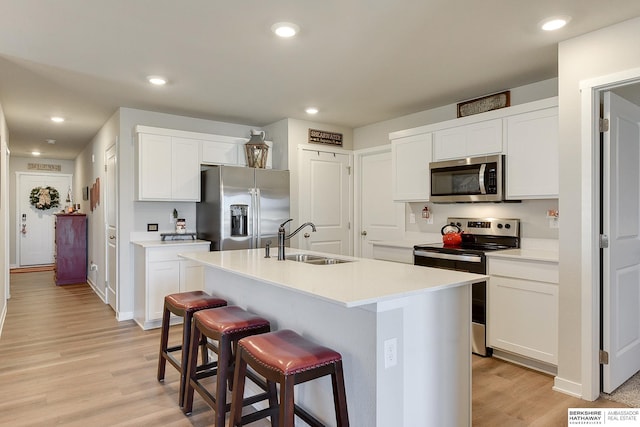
pixel 483 189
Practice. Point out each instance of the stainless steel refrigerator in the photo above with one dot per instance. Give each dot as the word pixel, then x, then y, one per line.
pixel 241 208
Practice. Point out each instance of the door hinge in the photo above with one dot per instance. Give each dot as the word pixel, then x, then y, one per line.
pixel 105 168
pixel 604 357
pixel 349 170
pixel 604 241
pixel 349 225
pixel 604 125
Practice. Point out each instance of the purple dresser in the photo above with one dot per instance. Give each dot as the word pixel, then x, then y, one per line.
pixel 71 249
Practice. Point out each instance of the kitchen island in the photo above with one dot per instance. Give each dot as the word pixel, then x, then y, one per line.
pixel 403 331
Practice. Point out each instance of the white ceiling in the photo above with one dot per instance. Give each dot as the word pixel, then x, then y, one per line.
pixel 358 61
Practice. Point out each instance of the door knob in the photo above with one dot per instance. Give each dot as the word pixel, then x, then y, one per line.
pixel 112 237
pixel 364 233
pixel 307 235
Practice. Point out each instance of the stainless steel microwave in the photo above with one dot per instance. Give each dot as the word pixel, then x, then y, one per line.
pixel 474 179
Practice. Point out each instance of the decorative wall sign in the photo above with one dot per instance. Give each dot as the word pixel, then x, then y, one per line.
pixel 324 137
pixel 94 195
pixel 44 167
pixel 485 103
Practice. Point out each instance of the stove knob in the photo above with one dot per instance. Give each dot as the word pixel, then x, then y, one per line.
pixel 458 224
pixel 507 226
pixel 499 225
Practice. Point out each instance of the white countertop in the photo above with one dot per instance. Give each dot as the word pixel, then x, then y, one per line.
pixel 361 282
pixel 526 254
pixel 160 243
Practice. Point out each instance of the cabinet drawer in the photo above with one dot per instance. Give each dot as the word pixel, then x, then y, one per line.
pixel 392 253
pixel 540 271
pixel 171 253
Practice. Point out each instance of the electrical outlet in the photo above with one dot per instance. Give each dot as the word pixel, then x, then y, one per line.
pixel 390 353
pixel 412 218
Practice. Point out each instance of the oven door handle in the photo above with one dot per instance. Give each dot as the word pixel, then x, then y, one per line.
pixel 452 257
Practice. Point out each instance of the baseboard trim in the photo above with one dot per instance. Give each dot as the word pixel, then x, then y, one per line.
pixel 128 315
pixel 3 316
pixel 97 291
pixel 31 269
pixel 567 387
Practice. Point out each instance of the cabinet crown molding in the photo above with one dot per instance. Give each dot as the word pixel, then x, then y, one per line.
pixel 489 115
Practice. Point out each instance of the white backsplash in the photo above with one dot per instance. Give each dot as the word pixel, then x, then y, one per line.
pixel 532 214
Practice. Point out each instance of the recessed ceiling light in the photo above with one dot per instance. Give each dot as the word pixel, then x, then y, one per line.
pixel 157 80
pixel 311 110
pixel 555 23
pixel 285 29
pixel 35 153
pixel 57 119
pixel 50 141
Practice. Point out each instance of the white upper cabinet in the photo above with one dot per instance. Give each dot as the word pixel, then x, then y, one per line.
pixel 532 155
pixel 410 157
pixel 168 168
pixel 526 133
pixel 221 151
pixel 476 139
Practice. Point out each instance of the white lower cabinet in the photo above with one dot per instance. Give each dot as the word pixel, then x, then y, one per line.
pixel 523 308
pixel 159 271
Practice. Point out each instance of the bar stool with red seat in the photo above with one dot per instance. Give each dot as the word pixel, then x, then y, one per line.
pixel 287 358
pixel 182 304
pixel 225 325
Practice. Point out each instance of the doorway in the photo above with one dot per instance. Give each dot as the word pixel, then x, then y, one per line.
pixel 594 308
pixel 325 194
pixel 35 226
pixel 620 222
pixel 378 217
pixel 111 241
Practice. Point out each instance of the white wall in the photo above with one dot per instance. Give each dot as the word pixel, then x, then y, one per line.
pixel 89 166
pixel 610 50
pixel 20 164
pixel 4 218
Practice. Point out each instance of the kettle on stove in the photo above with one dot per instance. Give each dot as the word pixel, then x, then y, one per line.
pixel 451 235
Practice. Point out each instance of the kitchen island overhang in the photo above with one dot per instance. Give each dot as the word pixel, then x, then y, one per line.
pixel 403 331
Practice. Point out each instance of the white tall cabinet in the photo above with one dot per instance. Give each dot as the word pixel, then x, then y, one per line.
pixel 532 155
pixel 410 157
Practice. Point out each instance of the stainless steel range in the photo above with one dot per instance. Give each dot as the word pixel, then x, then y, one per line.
pixel 478 236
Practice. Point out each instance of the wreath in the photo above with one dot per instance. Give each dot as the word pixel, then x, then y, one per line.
pixel 44 198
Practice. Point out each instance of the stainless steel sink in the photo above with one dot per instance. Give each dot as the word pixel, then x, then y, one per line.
pixel 315 259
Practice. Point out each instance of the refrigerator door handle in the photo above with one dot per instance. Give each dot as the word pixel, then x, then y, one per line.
pixel 257 218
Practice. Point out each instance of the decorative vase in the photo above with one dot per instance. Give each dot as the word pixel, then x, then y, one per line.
pixel 256 150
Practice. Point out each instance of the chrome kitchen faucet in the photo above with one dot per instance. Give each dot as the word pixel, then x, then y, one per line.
pixel 282 237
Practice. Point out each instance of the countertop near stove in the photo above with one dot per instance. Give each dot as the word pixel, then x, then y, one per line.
pixel 351 284
pixel 526 254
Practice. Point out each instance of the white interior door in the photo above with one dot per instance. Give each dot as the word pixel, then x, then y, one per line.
pixel 380 217
pixel 621 221
pixel 324 196
pixel 110 226
pixel 36 227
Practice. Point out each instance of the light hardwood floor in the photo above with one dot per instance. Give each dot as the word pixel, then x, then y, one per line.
pixel 65 360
